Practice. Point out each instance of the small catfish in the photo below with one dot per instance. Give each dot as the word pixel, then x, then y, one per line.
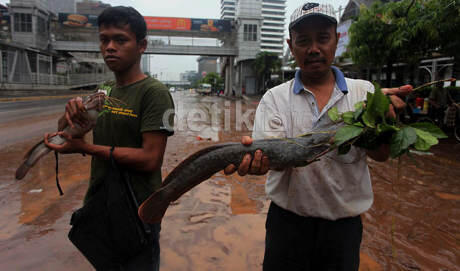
pixel 93 104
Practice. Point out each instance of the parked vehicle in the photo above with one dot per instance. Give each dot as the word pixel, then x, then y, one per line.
pixel 204 89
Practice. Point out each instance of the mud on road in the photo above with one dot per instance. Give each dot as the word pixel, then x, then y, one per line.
pixel 414 223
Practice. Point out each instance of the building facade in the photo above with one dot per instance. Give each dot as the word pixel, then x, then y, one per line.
pixel 260 27
pixel 64 6
pixel 91 7
pixel 271 30
pixel 189 76
pixel 30 23
pixel 27 57
pixel 145 63
pixel 206 64
pixel 227 9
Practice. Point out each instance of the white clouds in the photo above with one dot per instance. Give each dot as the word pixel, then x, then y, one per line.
pixel 173 8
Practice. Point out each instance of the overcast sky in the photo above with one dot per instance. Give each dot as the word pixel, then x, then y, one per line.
pixel 171 66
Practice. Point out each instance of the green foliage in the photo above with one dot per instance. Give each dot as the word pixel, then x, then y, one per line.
pixel 405 31
pixel 445 19
pixel 402 140
pixel 214 80
pixel 266 64
pixel 368 127
pixel 429 128
pixel 424 140
pixel 346 133
pixel 334 114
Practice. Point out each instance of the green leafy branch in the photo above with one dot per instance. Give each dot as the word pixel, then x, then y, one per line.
pixel 368 127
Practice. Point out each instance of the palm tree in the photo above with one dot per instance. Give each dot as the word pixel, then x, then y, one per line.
pixel 266 64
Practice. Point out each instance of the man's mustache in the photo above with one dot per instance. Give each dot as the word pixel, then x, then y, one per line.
pixel 314 59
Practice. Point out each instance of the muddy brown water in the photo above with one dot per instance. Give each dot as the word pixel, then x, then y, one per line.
pixel 219 225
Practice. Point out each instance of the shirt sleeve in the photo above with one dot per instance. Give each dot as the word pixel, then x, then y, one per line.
pixel 268 122
pixel 363 88
pixel 157 110
pixel 370 88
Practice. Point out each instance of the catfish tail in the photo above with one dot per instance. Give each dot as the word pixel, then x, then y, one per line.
pixel 154 211
pixel 22 170
pixel 31 158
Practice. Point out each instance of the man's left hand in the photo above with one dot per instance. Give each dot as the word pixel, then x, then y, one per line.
pixel 72 145
pixel 396 95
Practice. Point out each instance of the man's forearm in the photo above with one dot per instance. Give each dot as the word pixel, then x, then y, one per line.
pixel 134 158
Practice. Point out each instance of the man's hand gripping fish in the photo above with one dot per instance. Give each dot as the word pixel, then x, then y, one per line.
pixel 93 104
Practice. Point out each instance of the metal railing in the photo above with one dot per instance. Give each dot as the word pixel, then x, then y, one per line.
pixel 70 80
pixel 154 48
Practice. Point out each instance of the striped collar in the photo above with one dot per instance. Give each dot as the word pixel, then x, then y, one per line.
pixel 339 81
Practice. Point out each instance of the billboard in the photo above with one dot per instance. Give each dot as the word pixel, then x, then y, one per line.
pixel 211 25
pixel 77 20
pixel 154 23
pixel 4 21
pixel 168 23
pixel 344 38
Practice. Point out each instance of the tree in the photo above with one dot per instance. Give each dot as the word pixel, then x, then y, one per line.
pixel 266 64
pixel 214 79
pixel 374 40
pixel 418 32
pixel 405 31
pixel 446 19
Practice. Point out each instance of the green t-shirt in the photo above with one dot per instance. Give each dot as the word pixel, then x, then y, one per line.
pixel 141 108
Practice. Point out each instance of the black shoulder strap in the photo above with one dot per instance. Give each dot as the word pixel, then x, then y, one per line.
pixel 131 195
pixel 57 174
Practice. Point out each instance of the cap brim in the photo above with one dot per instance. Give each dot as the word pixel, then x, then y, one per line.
pixel 306 16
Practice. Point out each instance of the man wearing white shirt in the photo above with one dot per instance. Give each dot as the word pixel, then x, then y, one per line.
pixel 314 222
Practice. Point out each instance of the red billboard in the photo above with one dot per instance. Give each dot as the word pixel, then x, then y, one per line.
pixel 168 23
pixel 154 23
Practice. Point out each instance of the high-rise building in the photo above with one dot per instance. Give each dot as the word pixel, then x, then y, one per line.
pixel 189 76
pixel 145 63
pixel 62 6
pixel 272 30
pixel 227 9
pixel 91 7
pixel 206 64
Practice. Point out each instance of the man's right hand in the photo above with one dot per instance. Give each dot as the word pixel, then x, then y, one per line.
pixel 259 165
pixel 74 110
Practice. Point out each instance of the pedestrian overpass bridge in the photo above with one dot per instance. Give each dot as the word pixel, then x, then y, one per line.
pixel 92 46
pixel 79 33
pixel 84 38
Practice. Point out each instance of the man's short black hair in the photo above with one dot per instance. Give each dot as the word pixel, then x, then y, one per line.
pixel 120 16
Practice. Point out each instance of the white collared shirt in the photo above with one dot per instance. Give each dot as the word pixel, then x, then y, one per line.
pixel 337 186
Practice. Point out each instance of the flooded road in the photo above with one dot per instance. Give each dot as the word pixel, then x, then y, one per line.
pixel 414 223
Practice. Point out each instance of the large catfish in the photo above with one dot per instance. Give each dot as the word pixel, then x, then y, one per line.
pixel 282 153
pixel 93 104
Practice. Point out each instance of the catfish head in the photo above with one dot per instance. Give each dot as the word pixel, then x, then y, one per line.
pixel 95 101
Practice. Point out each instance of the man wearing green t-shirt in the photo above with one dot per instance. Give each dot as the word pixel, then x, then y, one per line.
pixel 135 128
